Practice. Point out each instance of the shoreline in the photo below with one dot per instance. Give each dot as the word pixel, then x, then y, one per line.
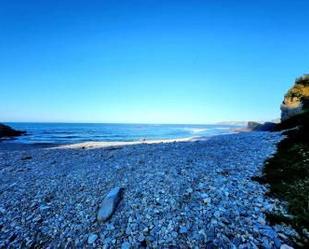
pixel 12 146
pixel 88 135
pixel 107 144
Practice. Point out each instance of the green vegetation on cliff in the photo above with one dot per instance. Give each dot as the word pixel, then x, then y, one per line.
pixel 296 100
pixel 301 88
pixel 287 172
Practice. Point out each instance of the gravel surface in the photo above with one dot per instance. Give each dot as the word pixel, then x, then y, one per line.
pixel 175 195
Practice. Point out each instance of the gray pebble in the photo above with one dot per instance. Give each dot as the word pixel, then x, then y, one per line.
pixel 92 238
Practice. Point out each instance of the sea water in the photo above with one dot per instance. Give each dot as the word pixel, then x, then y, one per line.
pixel 65 133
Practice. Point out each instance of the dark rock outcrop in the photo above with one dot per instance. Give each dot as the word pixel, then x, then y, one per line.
pixel 252 125
pixel 7 131
pixel 267 126
pixel 255 126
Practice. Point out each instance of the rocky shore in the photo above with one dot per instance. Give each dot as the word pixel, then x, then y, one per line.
pixel 192 194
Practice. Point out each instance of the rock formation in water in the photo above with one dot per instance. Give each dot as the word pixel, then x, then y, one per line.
pixel 7 131
pixel 296 99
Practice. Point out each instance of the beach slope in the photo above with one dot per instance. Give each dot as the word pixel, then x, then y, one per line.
pixel 181 194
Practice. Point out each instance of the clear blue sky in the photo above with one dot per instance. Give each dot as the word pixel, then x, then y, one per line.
pixel 149 61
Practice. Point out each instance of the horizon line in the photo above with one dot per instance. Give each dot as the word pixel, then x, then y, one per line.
pixel 128 123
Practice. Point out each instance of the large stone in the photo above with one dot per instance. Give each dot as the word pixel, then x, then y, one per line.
pixel 109 204
pixel 7 131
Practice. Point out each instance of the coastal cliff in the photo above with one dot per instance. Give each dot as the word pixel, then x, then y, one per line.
pixel 296 99
pixel 287 171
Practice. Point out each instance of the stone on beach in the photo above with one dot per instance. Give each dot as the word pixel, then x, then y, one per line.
pixel 284 246
pixel 125 245
pixel 183 229
pixel 109 204
pixel 92 238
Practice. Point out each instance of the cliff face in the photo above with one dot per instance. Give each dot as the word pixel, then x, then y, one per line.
pixel 296 99
pixel 287 171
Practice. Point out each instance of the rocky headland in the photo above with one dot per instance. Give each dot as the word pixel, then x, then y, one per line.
pixel 8 132
pixel 287 171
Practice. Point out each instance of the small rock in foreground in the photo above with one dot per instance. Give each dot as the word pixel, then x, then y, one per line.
pixel 92 238
pixel 109 204
pixel 284 246
pixel 125 245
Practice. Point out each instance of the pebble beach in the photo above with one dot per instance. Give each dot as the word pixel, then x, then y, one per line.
pixel 184 194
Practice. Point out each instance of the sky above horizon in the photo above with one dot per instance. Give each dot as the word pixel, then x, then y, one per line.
pixel 149 61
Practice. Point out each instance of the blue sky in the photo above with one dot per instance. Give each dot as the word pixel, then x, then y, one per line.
pixel 149 61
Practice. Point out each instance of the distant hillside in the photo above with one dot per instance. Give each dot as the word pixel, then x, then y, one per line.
pixel 236 123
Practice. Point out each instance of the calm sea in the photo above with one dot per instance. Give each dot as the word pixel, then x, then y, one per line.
pixel 63 133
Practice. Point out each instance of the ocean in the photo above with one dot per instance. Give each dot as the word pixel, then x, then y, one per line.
pixel 68 133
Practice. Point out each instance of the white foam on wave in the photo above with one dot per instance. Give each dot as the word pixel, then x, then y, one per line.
pixel 196 130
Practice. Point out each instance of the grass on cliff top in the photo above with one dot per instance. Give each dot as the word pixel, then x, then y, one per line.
pixel 287 172
pixel 300 89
